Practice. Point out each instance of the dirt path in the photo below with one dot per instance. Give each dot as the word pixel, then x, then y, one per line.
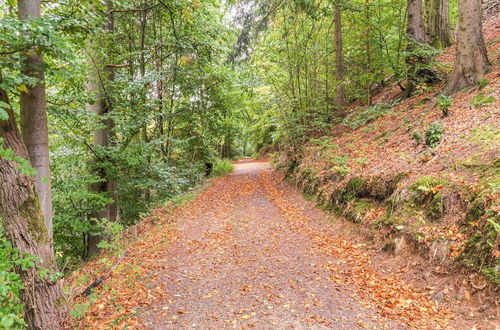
pixel 246 255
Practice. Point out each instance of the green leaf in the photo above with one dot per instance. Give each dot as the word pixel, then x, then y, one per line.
pixel 3 114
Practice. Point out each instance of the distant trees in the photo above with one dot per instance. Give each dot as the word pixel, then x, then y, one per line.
pixel 471 61
pixel 98 85
pixel 339 60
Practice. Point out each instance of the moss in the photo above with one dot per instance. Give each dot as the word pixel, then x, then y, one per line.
pixel 487 136
pixel 436 208
pixel 30 211
pixel 481 99
pixel 357 210
pixel 427 182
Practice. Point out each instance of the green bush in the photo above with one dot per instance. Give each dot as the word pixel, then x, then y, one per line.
pixel 221 167
pixel 433 134
pixel 444 103
pixel 11 308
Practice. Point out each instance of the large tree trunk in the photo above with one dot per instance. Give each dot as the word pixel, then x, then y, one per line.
pixel 471 61
pixel 34 117
pixel 23 221
pixel 96 85
pixel 437 23
pixel 339 62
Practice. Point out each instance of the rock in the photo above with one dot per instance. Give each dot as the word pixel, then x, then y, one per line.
pixel 483 308
pixel 399 245
pixel 438 296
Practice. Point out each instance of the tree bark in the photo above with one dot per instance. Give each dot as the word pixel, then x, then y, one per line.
pixel 416 34
pixel 437 23
pixel 339 62
pixel 23 221
pixel 415 27
pixel 34 116
pixel 471 61
pixel 102 107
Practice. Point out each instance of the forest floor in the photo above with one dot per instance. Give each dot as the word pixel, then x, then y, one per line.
pixel 250 251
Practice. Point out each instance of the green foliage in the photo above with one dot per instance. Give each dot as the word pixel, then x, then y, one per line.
pixel 444 103
pixel 433 134
pixel 417 137
pixel 367 115
pixel 483 83
pixel 481 99
pixel 11 307
pixel 221 167
pixel 428 184
pixel 23 165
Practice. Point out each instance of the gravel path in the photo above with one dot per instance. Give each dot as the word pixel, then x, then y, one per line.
pixel 238 262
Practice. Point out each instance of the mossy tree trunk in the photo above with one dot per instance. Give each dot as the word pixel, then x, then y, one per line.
pixel 416 34
pixel 24 225
pixel 437 23
pixel 34 116
pixel 471 61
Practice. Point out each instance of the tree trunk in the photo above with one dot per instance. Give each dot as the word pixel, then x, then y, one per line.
pixel 96 85
pixel 437 23
pixel 368 51
pixel 416 33
pixel 471 61
pixel 339 62
pixel 23 221
pixel 415 27
pixel 34 116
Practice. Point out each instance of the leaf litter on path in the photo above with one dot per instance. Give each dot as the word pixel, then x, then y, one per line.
pixel 241 255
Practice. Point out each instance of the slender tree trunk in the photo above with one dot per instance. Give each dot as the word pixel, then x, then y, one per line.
pixel 34 116
pixel 339 62
pixel 368 51
pixel 471 61
pixel 23 221
pixel 102 107
pixel 437 23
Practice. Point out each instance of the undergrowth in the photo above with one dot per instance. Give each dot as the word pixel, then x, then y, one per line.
pixel 221 167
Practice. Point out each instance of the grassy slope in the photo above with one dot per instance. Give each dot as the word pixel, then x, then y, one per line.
pixel 445 199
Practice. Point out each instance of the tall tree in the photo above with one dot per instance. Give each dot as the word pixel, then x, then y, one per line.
pixel 34 116
pixel 437 23
pixel 23 222
pixel 98 84
pixel 471 61
pixel 339 61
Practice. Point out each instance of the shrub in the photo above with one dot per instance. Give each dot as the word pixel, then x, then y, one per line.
pixel 433 134
pixel 11 308
pixel 444 103
pixel 221 167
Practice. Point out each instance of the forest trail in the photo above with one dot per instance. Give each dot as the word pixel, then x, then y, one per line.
pixel 245 253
